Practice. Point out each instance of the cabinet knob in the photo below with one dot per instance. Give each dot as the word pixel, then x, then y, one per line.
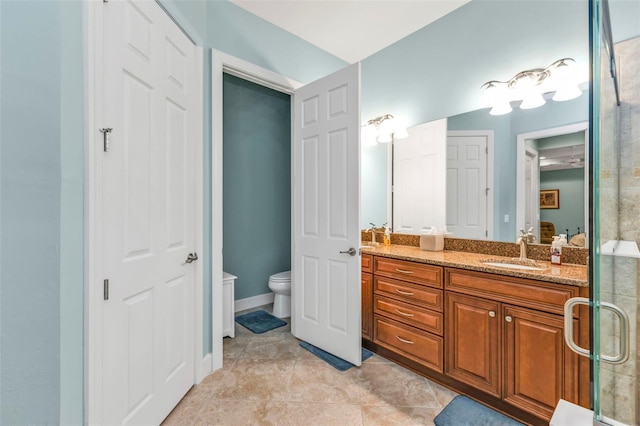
pixel 492 314
pixel 508 318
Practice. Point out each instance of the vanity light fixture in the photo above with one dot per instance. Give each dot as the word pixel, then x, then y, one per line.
pixel 529 87
pixel 382 129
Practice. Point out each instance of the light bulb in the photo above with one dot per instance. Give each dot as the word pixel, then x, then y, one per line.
pixel 368 135
pixel 532 100
pixel 385 137
pixel 501 109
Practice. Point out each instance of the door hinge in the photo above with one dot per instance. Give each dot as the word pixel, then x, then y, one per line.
pixel 106 133
pixel 486 191
pixel 486 149
pixel 105 289
pixel 486 233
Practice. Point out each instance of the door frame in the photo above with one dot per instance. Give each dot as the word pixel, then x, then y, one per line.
pixel 520 158
pixel 93 268
pixel 224 63
pixel 535 190
pixel 489 135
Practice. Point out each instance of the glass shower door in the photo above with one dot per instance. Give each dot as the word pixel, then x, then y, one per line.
pixel 615 223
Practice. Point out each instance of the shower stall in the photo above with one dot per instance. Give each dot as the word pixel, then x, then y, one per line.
pixel 615 216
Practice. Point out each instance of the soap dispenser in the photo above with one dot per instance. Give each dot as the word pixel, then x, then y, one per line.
pixel 387 236
pixel 556 251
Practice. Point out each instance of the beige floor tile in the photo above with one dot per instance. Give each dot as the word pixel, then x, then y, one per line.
pixel 273 346
pixel 314 381
pixel 390 384
pixel 254 379
pixel 320 414
pixel 268 379
pixel 223 412
pixel 392 416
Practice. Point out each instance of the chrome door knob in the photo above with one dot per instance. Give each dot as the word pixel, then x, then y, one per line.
pixel 350 252
pixel 192 257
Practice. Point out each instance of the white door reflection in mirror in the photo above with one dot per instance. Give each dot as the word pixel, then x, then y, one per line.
pixel 532 189
pixel 469 197
pixel 419 178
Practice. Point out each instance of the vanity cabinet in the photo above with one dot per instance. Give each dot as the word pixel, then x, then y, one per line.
pixel 367 296
pixel 496 338
pixel 407 308
pixel 505 337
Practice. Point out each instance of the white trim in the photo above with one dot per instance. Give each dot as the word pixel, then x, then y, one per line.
pixel 201 369
pixel 253 302
pixel 94 42
pixel 489 135
pixel 221 63
pixel 520 157
pixel 93 33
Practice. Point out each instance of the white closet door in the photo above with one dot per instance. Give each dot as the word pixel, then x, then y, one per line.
pixel 326 199
pixel 419 178
pixel 467 187
pixel 151 102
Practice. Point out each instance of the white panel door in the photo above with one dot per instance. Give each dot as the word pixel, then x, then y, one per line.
pixel 326 213
pixel 467 187
pixel 419 178
pixel 148 221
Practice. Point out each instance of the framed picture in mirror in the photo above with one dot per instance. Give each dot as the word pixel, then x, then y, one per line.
pixel 550 199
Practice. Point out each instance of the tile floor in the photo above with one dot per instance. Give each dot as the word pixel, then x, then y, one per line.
pixel 268 379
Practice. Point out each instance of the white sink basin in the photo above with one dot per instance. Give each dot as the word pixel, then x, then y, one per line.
pixel 527 265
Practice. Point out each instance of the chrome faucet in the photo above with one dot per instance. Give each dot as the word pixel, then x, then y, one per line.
pixel 523 240
pixel 373 233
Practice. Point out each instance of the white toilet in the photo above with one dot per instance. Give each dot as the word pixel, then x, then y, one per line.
pixel 280 284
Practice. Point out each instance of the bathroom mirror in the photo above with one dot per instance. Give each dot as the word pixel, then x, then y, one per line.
pixel 459 95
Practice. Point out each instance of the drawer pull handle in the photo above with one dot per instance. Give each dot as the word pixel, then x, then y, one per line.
pixel 406 293
pixel 492 314
pixel 508 318
pixel 404 341
pixel 404 313
pixel 404 271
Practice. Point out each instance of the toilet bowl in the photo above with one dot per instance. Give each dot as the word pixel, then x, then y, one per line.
pixel 280 284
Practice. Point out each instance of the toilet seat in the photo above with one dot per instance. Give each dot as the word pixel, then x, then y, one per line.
pixel 281 277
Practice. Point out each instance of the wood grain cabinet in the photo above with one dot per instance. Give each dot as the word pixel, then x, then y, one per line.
pixel 407 307
pixel 367 297
pixel 496 338
pixel 506 345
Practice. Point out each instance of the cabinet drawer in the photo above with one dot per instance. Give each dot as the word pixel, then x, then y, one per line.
pixel 425 296
pixel 408 271
pixel 366 260
pixel 409 314
pixel 534 294
pixel 412 343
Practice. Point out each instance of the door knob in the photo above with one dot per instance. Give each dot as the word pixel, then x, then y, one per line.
pixel 350 252
pixel 192 257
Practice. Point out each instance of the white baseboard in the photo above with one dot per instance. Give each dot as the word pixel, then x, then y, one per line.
pixel 253 302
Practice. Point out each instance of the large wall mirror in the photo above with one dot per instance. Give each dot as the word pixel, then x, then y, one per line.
pixel 556 130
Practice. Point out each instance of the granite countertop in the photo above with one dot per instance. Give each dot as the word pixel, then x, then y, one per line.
pixel 576 275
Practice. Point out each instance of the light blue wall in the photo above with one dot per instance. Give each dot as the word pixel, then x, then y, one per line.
pixel 41 186
pixel 437 72
pixel 570 182
pixel 224 26
pixel 41 226
pixel 257 184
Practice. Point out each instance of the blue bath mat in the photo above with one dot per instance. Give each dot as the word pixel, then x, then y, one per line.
pixel 333 360
pixel 463 411
pixel 259 321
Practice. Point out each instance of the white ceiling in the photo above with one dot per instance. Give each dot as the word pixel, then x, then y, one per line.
pixel 350 29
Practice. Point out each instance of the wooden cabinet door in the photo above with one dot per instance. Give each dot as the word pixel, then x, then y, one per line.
pixel 539 368
pixel 367 306
pixel 472 342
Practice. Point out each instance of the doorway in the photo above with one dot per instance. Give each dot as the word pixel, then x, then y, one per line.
pixel 256 187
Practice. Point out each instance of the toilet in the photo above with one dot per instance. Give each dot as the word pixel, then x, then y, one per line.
pixel 280 284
